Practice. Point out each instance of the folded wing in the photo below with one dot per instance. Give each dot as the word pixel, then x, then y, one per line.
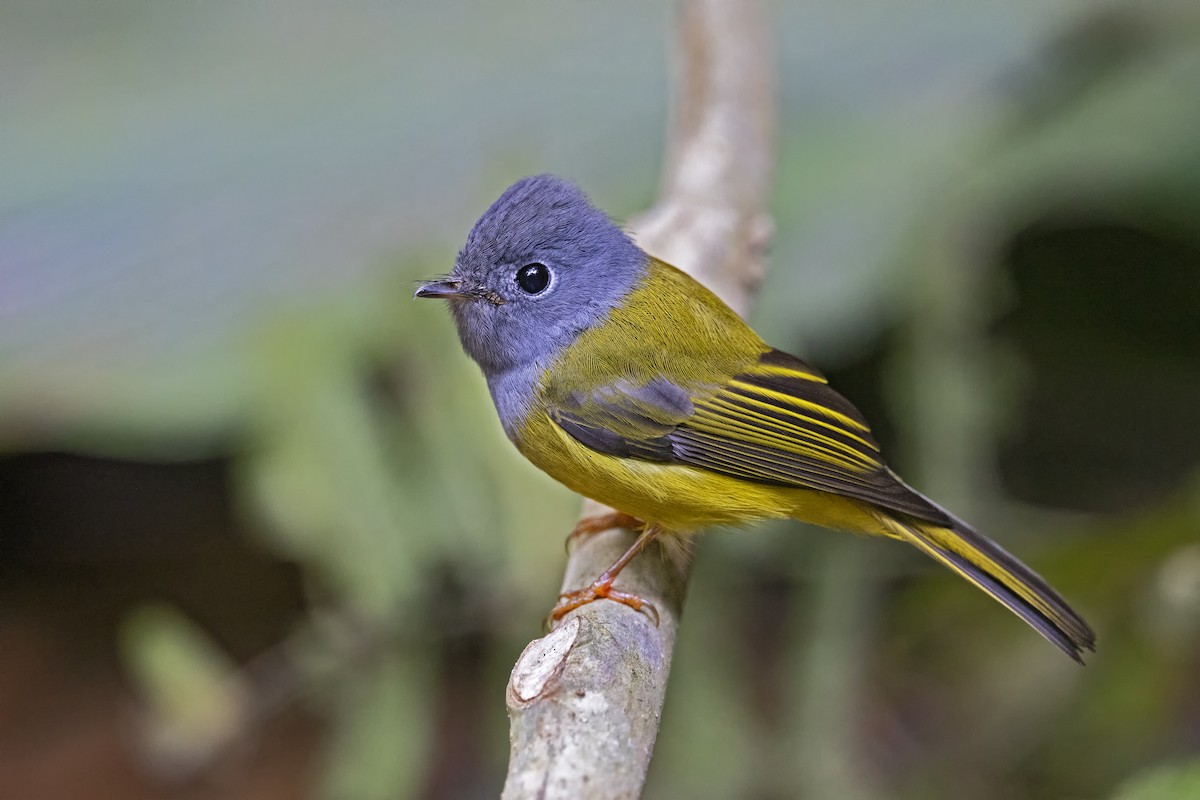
pixel 777 423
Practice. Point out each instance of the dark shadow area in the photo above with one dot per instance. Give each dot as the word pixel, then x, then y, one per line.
pixel 1106 319
pixel 83 542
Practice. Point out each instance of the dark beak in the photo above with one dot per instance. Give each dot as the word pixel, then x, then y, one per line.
pixel 443 290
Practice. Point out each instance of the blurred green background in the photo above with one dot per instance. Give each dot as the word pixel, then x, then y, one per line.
pixel 261 535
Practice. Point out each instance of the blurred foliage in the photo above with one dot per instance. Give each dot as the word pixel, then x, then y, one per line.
pixel 210 225
pixel 196 700
pixel 1164 783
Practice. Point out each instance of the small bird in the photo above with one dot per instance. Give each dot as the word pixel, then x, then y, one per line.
pixel 632 384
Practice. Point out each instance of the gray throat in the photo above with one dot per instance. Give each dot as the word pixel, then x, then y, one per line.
pixel 513 394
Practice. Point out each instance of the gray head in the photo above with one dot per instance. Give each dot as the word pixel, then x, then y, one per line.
pixel 540 266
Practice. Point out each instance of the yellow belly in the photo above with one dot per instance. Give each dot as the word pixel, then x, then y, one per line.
pixel 680 498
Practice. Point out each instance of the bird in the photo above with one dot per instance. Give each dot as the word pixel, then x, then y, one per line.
pixel 631 383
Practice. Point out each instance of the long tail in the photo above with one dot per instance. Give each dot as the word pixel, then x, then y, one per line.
pixel 990 567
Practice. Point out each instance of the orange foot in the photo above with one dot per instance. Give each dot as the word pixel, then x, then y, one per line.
pixel 602 587
pixel 600 590
pixel 602 522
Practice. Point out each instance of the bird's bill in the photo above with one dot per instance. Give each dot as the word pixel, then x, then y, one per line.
pixel 443 290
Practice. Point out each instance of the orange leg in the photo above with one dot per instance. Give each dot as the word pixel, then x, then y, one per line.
pixel 603 522
pixel 602 587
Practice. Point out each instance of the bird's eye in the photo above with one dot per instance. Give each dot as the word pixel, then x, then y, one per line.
pixel 533 278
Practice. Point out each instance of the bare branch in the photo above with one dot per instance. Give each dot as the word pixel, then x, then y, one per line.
pixel 585 701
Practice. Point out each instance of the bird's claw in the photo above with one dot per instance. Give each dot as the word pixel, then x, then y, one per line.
pixel 569 601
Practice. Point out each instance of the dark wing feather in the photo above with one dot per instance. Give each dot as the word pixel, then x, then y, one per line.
pixel 777 423
pixel 603 440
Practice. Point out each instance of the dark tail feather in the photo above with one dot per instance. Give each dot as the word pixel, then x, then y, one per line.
pixel 991 568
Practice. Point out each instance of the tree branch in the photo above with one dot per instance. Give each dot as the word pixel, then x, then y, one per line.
pixel 585 701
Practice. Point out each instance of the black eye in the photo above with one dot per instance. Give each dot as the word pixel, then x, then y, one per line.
pixel 533 278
